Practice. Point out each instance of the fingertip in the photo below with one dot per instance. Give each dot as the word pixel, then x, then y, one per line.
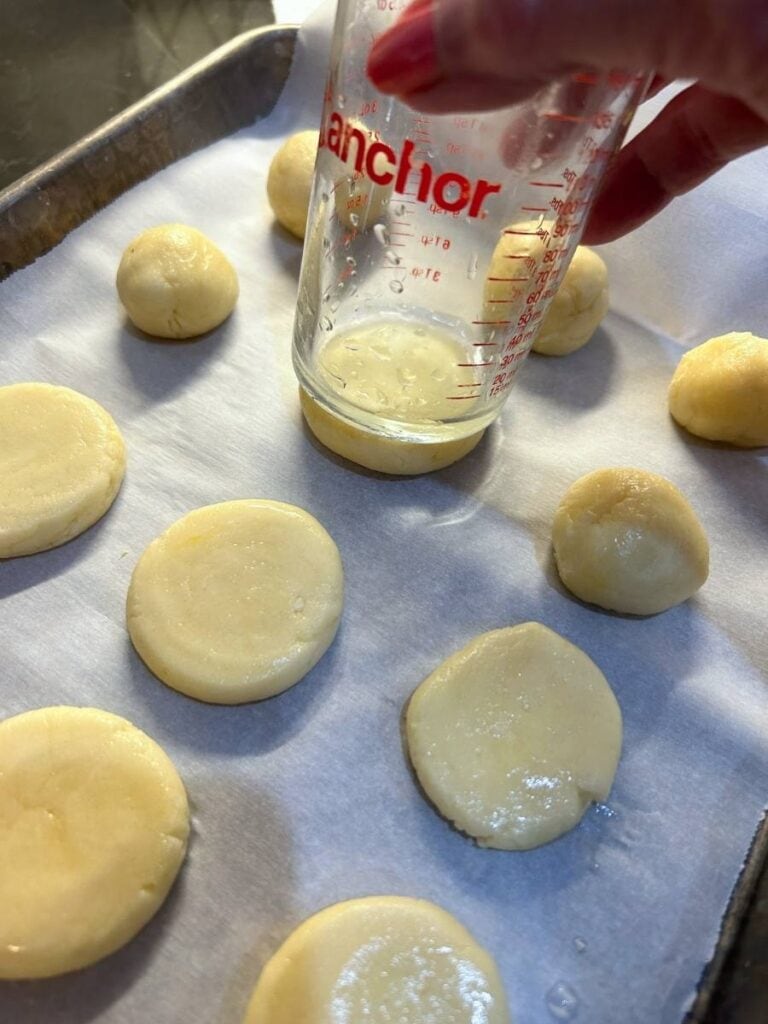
pixel 629 196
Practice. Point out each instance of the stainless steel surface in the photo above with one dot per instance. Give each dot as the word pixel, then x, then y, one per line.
pixel 66 68
pixel 235 85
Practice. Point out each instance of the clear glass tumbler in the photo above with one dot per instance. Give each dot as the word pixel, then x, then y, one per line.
pixel 434 244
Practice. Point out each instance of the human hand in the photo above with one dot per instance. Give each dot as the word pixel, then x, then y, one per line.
pixel 446 56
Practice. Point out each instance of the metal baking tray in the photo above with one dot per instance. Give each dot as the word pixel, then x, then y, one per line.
pixel 233 87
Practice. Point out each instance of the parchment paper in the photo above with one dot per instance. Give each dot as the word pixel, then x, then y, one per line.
pixel 307 799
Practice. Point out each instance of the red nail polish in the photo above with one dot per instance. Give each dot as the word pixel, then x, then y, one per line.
pixel 405 57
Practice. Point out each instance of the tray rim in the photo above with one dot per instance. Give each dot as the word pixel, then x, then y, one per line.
pixel 54 165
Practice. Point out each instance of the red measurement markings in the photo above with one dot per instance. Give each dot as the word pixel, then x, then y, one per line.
pixel 470 365
pixel 458 398
pixel 491 323
pixel 485 344
pixel 518 280
pixel 479 384
pixel 407 234
pixel 535 209
pixel 401 223
pixel 547 184
pixel 514 231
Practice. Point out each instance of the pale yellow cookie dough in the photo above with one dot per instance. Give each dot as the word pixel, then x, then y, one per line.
pixel 380 960
pixel 511 272
pixel 408 373
pixel 379 453
pixel 237 601
pixel 289 182
pixel 513 736
pixel 627 540
pixel 175 283
pixel 62 460
pixel 720 390
pixel 93 831
pixel 578 307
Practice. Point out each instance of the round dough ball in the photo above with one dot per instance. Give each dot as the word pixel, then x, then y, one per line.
pixel 379 453
pixel 62 460
pixel 720 390
pixel 627 540
pixel 175 283
pixel 514 736
pixel 380 959
pixel 289 182
pixel 578 307
pixel 94 830
pixel 237 601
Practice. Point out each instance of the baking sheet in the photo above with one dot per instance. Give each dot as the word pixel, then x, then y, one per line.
pixel 306 799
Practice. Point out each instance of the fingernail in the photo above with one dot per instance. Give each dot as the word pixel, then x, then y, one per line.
pixel 405 57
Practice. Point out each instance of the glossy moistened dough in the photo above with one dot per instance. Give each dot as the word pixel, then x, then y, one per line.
pixel 175 283
pixel 379 453
pixel 62 460
pixel 379 960
pixel 578 307
pixel 93 831
pixel 720 390
pixel 237 601
pixel 627 540
pixel 514 736
pixel 289 182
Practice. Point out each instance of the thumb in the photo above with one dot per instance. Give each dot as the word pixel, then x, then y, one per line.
pixel 478 54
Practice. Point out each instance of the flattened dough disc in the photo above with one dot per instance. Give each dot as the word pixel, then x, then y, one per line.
pixel 513 736
pixel 379 960
pixel 379 453
pixel 237 601
pixel 93 831
pixel 62 461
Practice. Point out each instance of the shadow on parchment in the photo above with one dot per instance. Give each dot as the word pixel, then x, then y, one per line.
pixel 158 367
pixel 579 381
pixel 86 995
pixel 235 730
pixel 27 571
pixel 286 248
pixel 231 902
pixel 742 475
pixel 473 468
pixel 244 896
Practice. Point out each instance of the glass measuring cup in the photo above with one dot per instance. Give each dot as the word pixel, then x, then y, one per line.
pixel 434 244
